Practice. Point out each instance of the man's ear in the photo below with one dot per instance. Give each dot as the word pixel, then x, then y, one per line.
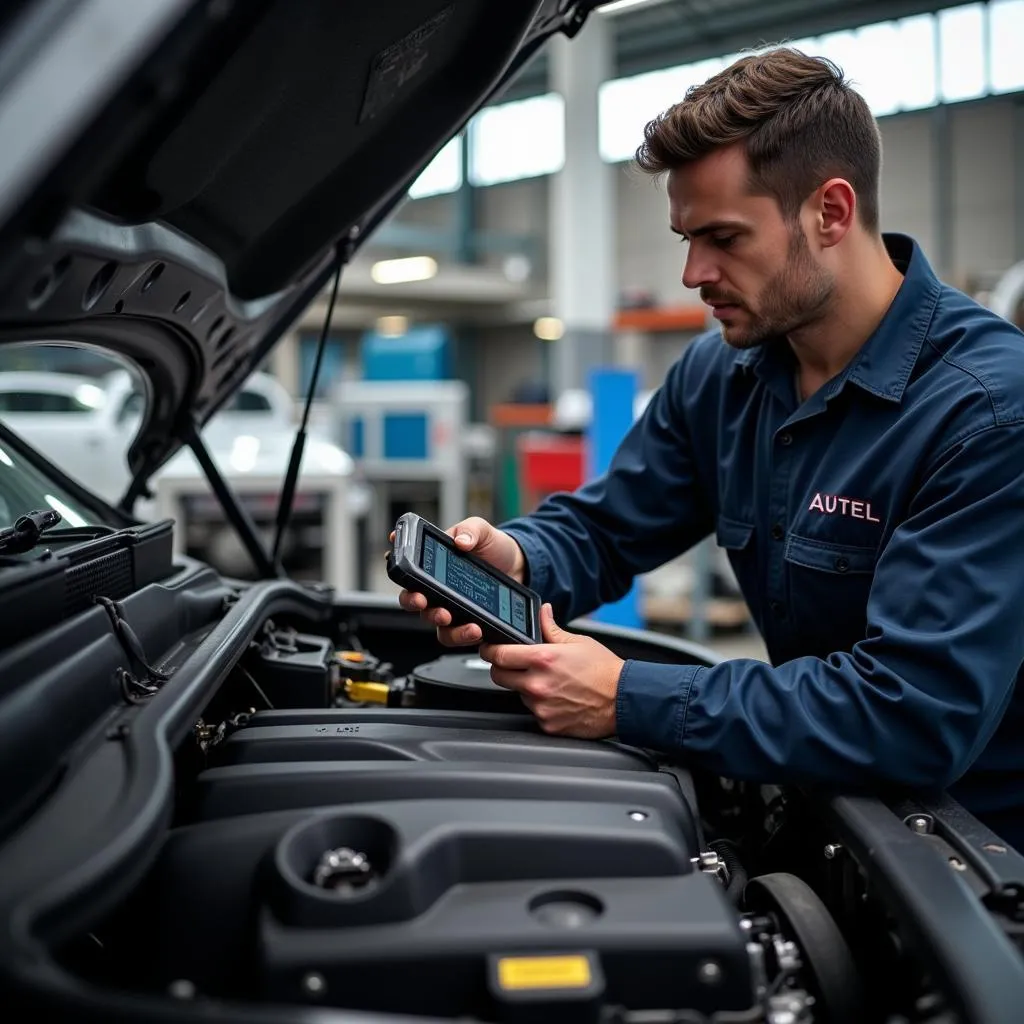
pixel 835 210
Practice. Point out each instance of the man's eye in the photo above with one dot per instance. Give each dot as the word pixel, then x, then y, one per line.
pixel 724 241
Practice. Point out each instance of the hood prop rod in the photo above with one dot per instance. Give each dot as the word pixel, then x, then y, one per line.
pixel 266 567
pixel 268 564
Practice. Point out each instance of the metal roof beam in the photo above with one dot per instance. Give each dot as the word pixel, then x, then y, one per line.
pixel 664 36
pixel 668 45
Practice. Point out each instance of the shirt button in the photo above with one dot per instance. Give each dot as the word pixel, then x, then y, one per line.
pixel 778 532
pixel 786 439
pixel 842 564
pixel 776 608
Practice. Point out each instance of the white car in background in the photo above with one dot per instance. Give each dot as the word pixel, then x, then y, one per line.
pixel 75 422
pixel 85 425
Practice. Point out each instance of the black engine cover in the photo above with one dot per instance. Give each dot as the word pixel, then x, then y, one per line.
pixel 490 852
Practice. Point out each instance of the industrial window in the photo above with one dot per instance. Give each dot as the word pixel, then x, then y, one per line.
pixel 443 173
pixel 626 104
pixel 961 53
pixel 516 140
pixel 1006 40
pixel 914 68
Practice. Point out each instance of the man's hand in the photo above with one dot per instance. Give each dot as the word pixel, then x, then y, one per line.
pixel 486 542
pixel 569 682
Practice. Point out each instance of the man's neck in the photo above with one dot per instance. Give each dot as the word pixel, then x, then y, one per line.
pixel 863 295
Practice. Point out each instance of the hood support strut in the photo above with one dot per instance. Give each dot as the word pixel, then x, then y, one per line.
pixel 266 567
pixel 284 508
pixel 268 564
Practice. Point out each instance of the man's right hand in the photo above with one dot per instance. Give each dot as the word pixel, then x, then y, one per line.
pixel 478 536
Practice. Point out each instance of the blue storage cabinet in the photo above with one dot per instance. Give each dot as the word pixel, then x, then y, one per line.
pixel 406 435
pixel 399 435
pixel 420 356
pixel 423 353
pixel 406 430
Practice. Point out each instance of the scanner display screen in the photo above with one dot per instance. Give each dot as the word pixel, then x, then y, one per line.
pixel 477 586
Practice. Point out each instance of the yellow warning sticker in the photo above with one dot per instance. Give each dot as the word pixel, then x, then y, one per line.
pixel 521 973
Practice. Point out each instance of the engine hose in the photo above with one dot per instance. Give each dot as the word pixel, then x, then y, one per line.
pixel 737 873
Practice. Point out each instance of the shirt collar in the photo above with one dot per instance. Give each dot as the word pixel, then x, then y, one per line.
pixel 885 361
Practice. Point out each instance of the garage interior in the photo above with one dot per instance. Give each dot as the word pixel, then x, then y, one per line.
pixel 245 782
pixel 530 254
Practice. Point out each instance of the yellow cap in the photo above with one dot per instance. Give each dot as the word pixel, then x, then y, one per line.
pixel 372 693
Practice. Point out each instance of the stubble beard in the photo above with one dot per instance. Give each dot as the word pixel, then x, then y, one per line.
pixel 799 294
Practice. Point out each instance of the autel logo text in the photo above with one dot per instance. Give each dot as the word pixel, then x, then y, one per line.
pixel 833 504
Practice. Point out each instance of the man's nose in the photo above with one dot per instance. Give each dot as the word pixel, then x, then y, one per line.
pixel 698 270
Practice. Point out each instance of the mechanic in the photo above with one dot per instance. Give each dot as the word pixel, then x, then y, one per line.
pixel 857 446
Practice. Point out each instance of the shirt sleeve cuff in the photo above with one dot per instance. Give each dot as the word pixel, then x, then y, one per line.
pixel 538 567
pixel 651 703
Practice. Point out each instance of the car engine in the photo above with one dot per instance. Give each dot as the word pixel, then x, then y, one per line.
pixel 441 856
pixel 351 818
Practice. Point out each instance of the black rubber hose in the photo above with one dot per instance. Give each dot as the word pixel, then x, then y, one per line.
pixel 737 872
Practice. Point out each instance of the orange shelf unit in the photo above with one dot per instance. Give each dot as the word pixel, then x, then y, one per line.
pixel 662 318
pixel 514 416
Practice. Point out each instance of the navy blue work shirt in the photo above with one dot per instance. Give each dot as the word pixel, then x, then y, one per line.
pixel 877 533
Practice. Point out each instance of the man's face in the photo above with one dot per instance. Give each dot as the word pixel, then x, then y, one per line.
pixel 755 270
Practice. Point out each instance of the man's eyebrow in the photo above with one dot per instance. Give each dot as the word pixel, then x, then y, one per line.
pixel 707 229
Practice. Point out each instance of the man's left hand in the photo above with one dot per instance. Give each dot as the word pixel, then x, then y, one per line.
pixel 569 682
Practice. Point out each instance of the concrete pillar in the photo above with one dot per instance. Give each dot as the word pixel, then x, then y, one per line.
pixel 581 228
pixel 943 213
pixel 631 351
pixel 1018 167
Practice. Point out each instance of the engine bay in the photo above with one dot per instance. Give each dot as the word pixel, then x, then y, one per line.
pixel 441 857
pixel 351 818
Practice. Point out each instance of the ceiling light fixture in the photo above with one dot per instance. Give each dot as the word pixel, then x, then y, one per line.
pixel 404 270
pixel 618 6
pixel 392 326
pixel 548 328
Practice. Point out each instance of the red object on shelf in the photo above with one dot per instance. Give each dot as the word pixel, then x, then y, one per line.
pixel 549 463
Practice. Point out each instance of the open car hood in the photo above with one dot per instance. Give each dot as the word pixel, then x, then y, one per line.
pixel 178 179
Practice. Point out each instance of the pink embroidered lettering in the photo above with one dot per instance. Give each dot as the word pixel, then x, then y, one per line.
pixel 832 504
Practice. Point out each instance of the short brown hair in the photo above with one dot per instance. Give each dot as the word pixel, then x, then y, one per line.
pixel 801 121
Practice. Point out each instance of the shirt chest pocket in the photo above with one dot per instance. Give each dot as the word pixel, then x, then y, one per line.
pixel 737 539
pixel 826 556
pixel 828 584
